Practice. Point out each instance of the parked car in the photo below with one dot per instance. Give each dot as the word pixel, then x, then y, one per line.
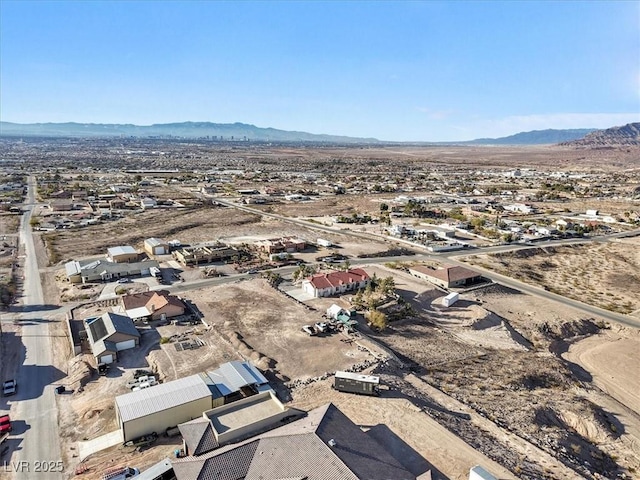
pixel 142 373
pixel 142 382
pixel 124 280
pixel 5 424
pixel 310 330
pixel 9 387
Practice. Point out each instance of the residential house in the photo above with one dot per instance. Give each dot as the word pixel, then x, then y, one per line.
pixel 235 422
pixel 335 283
pixel 109 334
pixel 281 245
pixel 85 271
pixel 155 305
pixel 325 444
pixel 204 254
pixel 447 276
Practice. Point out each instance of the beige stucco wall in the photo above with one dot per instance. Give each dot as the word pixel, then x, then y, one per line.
pixel 125 258
pixel 160 421
pixel 428 278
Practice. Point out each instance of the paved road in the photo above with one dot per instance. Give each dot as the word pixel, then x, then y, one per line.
pixel 34 408
pixel 451 258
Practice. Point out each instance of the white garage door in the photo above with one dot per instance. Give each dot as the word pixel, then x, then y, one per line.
pixel 106 359
pixel 159 250
pixel 125 345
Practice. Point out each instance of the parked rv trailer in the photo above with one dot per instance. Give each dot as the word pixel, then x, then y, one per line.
pixel 357 383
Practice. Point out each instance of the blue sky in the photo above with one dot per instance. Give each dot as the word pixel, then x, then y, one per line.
pixel 424 71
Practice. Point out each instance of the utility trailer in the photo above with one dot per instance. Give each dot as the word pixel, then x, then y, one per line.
pixel 357 383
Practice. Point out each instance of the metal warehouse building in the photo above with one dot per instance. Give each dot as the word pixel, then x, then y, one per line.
pixel 157 408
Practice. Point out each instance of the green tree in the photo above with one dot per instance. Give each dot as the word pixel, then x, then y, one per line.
pixel 387 285
pixel 377 319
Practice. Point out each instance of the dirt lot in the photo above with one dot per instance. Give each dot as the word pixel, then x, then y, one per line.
pixel 328 205
pixel 192 225
pixel 603 274
pixel 269 324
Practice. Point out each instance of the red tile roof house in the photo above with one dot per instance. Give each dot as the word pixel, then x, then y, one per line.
pixel 335 283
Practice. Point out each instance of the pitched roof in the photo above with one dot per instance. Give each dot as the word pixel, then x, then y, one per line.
pixel 232 466
pixel 325 445
pixel 152 301
pixel 92 267
pixel 101 328
pixel 448 273
pixel 198 435
pixel 335 279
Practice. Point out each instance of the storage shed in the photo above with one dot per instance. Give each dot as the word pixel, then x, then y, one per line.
pixel 122 254
pixel 450 299
pixel 166 405
pixel 156 246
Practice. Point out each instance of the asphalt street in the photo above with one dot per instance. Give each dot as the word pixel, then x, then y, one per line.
pixel 33 409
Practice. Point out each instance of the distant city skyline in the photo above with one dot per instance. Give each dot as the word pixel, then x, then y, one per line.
pixel 397 71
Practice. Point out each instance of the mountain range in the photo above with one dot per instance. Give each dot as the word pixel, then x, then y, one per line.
pixel 195 130
pixel 246 132
pixel 615 136
pixel 535 137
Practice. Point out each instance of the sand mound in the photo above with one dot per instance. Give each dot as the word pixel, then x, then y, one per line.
pixel 479 326
pixel 80 372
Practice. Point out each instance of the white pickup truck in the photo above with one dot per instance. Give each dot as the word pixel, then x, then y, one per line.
pixel 144 381
pixel 9 387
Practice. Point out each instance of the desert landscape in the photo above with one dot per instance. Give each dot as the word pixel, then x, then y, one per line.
pixel 526 386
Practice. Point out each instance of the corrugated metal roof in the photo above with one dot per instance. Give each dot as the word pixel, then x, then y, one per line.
pixel 232 376
pixel 154 242
pixel 161 397
pixel 121 250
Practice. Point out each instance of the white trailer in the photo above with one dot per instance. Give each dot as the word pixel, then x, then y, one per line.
pixel 479 473
pixel 324 243
pixel 450 299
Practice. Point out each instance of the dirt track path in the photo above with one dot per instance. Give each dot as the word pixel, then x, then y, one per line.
pixel 554 467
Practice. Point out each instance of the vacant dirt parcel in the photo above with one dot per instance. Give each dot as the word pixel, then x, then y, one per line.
pixel 606 275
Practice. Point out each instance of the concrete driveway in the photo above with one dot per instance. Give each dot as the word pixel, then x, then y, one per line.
pixel 98 444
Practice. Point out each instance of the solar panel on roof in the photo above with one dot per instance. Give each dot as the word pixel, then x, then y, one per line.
pixel 98 329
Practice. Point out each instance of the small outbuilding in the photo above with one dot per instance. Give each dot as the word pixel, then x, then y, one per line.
pixel 122 254
pixel 157 408
pixel 450 299
pixel 156 246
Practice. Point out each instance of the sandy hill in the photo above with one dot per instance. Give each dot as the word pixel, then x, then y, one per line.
pixel 616 136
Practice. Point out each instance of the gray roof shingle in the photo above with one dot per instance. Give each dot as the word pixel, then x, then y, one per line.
pixel 325 445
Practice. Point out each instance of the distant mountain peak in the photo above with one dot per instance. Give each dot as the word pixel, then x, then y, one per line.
pixel 625 135
pixel 536 137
